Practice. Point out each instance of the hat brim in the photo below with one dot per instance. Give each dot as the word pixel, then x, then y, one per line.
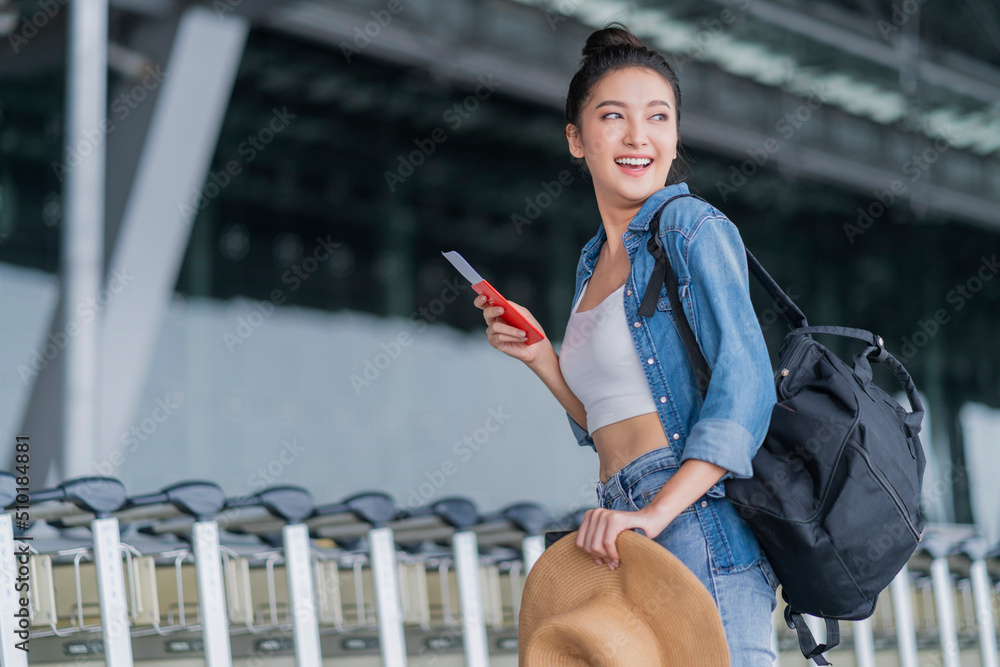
pixel 568 596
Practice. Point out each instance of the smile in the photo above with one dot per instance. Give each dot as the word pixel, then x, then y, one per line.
pixel 634 165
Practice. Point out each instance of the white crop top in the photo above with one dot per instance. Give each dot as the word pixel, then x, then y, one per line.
pixel 600 365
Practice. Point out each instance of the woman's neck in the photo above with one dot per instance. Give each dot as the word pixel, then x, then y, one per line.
pixel 616 218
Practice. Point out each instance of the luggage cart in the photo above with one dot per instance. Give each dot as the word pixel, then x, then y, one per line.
pixel 362 518
pixel 197 502
pixel 276 515
pixel 510 541
pixel 98 497
pixel 450 519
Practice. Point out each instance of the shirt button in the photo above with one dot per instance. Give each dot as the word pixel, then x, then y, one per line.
pixel 649 361
pixel 636 325
pixel 704 503
pixel 663 399
pixel 629 292
pixel 676 436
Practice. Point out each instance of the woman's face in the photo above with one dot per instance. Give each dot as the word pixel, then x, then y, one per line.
pixel 630 117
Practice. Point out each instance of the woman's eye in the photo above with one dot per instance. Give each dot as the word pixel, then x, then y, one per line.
pixel 662 115
pixel 613 113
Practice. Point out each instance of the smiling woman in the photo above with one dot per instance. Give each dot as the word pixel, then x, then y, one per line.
pixel 624 379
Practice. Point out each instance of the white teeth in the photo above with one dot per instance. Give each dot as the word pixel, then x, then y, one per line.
pixel 636 161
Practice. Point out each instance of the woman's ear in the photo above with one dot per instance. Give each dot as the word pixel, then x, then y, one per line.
pixel 573 138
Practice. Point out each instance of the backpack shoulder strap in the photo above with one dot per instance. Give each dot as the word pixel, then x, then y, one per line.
pixel 663 273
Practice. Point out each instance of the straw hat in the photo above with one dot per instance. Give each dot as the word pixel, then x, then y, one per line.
pixel 650 611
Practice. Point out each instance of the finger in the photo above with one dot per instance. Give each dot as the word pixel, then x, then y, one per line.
pixel 492 313
pixel 502 327
pixel 596 542
pixel 611 539
pixel 583 535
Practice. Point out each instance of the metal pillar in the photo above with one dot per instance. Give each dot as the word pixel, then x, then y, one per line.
pixel 470 595
pixel 382 551
pixel 532 547
pixel 902 611
pixel 301 595
pixel 945 606
pixel 83 234
pixel 982 591
pixel 111 593
pixel 864 643
pixel 211 594
pixel 182 137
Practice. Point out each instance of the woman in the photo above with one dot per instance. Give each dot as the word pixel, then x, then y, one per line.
pixel 663 451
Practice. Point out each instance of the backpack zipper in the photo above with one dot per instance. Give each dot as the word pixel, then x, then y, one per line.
pixel 880 478
pixel 790 363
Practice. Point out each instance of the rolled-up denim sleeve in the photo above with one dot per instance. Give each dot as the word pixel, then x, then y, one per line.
pixel 737 408
pixel 583 438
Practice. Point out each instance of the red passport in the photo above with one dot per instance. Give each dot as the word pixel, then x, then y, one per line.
pixel 510 314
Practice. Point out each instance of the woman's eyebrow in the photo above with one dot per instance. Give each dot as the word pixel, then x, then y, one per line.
pixel 607 103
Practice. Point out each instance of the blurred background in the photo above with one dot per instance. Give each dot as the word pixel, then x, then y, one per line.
pixel 221 227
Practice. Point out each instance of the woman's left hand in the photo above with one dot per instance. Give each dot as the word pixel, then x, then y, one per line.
pixel 600 529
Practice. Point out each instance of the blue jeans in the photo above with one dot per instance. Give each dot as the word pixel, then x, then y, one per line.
pixel 746 599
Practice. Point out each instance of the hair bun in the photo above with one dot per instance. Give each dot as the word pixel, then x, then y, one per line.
pixel 613 34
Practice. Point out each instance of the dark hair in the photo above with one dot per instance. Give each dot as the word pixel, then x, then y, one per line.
pixel 613 48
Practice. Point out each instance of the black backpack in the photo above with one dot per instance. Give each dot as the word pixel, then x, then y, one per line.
pixel 834 497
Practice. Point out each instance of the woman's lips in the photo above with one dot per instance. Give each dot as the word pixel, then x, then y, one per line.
pixel 634 170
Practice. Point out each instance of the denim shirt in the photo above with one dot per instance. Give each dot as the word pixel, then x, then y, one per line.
pixel 709 260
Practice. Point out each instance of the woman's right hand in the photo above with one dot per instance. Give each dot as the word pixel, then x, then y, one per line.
pixel 509 339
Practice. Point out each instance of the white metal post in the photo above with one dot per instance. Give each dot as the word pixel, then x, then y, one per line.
pixel 470 595
pixel 864 643
pixel 532 547
pixel 388 606
pixel 945 604
pixel 301 595
pixel 902 612
pixel 982 592
pixel 211 594
pixel 83 233
pixel 111 592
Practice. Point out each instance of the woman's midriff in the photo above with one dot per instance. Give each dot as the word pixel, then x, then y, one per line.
pixel 620 443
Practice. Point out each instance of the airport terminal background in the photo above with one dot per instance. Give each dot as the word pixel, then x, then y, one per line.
pixel 315 336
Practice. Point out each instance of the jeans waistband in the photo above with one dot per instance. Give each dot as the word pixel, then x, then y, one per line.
pixel 656 459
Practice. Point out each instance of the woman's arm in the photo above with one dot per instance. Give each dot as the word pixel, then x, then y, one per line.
pixel 600 527
pixel 736 412
pixel 546 367
pixel 540 357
